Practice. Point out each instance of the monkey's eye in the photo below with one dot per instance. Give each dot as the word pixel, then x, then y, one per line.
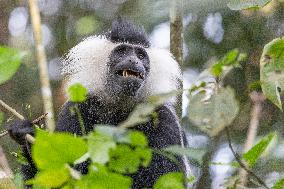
pixel 121 50
pixel 140 54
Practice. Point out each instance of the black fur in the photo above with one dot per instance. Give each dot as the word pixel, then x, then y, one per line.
pixel 123 31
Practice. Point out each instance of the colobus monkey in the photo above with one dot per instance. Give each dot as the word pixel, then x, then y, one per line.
pixel 120 69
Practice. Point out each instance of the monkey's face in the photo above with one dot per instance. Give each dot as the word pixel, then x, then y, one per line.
pixel 128 69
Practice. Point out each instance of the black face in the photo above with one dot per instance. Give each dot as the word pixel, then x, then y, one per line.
pixel 129 67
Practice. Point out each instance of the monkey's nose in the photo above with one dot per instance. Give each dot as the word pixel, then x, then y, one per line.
pixel 133 60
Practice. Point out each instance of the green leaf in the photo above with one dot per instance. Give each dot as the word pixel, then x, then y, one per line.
pixel 214 114
pixel 272 71
pixel 256 151
pixel 52 151
pixel 279 184
pixel 192 153
pixel 230 57
pixel 124 159
pixel 172 180
pixel 142 112
pixel 36 186
pixel 10 61
pixel 120 135
pixel 18 180
pixel 191 179
pixel 77 93
pixel 87 25
pixel 104 180
pixel 99 145
pixel 137 138
pixel 217 70
pixel 227 62
pixel 247 4
pixel 255 86
pixel 52 178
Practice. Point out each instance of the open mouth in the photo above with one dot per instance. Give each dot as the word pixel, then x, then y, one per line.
pixel 130 73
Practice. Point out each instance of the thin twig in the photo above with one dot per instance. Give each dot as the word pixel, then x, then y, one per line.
pixel 236 155
pixel 13 111
pixel 37 120
pixel 3 133
pixel 42 63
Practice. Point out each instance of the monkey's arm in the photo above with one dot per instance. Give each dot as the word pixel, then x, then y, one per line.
pixel 18 130
pixel 162 132
pixel 165 130
pixel 67 122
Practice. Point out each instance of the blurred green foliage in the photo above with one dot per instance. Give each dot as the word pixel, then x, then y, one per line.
pixel 247 4
pixel 10 60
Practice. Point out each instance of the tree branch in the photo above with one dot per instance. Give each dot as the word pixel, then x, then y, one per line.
pixel 13 111
pixel 42 63
pixel 257 99
pixel 243 166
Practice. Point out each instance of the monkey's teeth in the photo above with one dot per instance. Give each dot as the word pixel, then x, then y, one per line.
pixel 128 73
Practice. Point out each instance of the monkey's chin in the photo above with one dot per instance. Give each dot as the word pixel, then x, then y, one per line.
pixel 131 90
pixel 131 86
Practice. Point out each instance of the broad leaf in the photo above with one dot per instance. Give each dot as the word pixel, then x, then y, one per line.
pixel 247 4
pixel 214 114
pixel 192 153
pixel 52 151
pixel 256 151
pixel 137 138
pixel 124 159
pixel 142 112
pixel 120 135
pixel 272 71
pixel 99 146
pixel 172 180
pixel 77 93
pixel 10 61
pixel 52 178
pixel 104 180
pixel 229 61
pixel 279 184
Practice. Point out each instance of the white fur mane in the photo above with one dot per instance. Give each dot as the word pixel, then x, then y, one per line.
pixel 86 63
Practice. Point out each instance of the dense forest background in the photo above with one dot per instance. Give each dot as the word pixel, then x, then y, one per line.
pixel 210 30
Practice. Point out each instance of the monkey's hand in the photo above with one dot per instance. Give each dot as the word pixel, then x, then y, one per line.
pixel 18 130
